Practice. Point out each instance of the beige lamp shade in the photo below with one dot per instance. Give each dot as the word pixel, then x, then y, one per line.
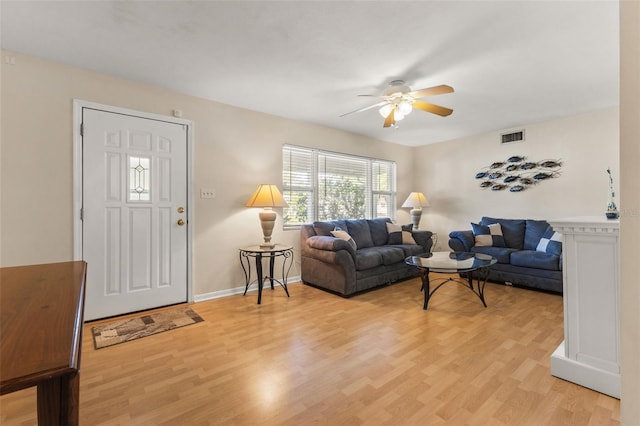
pixel 416 201
pixel 267 196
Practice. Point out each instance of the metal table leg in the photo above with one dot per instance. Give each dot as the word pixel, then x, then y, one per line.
pixel 481 280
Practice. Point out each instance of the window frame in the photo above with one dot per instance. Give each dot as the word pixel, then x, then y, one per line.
pixel 373 171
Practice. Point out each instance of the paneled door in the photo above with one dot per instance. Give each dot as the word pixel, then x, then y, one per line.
pixel 134 218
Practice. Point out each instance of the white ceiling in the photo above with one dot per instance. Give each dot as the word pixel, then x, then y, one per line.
pixel 510 62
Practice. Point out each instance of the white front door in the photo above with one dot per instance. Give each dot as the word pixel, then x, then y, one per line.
pixel 134 218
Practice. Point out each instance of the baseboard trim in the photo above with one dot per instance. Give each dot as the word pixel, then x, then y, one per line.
pixel 584 375
pixel 233 291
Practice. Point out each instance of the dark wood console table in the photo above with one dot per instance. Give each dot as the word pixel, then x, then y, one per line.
pixel 42 308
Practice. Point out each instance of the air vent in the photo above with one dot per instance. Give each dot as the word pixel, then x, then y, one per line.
pixel 513 137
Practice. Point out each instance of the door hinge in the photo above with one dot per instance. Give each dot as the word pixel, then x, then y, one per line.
pixel 81 129
pixel 81 214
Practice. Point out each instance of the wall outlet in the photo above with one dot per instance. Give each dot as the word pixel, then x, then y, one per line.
pixel 207 193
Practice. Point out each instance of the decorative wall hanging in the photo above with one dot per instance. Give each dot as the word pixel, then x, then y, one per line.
pixel 516 174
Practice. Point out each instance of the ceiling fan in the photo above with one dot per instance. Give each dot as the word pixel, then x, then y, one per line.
pixel 398 100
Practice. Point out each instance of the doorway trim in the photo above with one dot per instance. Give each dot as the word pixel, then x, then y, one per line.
pixel 78 105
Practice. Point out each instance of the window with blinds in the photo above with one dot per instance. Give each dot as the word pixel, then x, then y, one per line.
pixel 321 185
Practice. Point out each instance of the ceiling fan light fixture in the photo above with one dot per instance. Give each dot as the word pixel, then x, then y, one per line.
pixel 404 107
pixel 398 100
pixel 385 110
pixel 396 88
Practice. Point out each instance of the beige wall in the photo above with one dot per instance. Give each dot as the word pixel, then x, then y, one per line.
pixel 630 209
pixel 586 144
pixel 234 151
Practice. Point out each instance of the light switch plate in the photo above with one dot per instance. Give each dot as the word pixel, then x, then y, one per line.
pixel 207 193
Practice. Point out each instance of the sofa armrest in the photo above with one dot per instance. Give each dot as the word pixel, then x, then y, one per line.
pixel 320 242
pixel 330 250
pixel 461 240
pixel 424 239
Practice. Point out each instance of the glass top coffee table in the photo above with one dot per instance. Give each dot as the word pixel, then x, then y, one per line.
pixel 446 262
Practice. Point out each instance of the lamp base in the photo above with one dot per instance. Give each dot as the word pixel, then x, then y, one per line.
pixel 267 221
pixel 416 214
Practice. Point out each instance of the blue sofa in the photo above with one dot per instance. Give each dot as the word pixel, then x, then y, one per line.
pixel 374 258
pixel 525 258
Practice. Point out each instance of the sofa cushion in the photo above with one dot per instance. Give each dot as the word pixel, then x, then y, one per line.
pixel 503 254
pixel 400 234
pixel 488 236
pixel 368 258
pixel 344 235
pixel 391 254
pixel 512 230
pixel 410 249
pixel 378 228
pixel 325 228
pixel 534 230
pixel 551 242
pixel 536 259
pixel 360 232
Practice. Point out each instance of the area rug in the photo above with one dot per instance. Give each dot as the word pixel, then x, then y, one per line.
pixel 134 328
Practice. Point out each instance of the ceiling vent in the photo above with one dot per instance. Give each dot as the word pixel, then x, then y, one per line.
pixel 512 137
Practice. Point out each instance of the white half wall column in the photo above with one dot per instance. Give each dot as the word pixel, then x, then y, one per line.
pixel 590 353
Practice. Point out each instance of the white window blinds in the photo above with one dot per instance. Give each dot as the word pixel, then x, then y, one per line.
pixel 321 185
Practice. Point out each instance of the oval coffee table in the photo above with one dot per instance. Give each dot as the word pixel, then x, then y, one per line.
pixel 446 262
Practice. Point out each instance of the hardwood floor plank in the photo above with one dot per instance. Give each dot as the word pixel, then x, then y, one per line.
pixel 316 358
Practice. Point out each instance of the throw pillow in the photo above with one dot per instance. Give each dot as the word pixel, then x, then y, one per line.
pixel 344 235
pixel 400 234
pixel 488 236
pixel 551 242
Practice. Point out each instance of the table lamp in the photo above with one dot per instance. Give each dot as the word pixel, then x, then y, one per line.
pixel 268 197
pixel 416 201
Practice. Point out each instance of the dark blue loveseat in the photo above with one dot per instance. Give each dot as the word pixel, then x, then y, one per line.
pixel 522 260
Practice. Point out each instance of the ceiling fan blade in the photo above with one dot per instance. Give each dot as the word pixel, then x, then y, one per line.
pixel 435 109
pixel 431 91
pixel 390 120
pixel 365 108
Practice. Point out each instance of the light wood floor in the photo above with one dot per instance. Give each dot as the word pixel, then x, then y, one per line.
pixel 316 358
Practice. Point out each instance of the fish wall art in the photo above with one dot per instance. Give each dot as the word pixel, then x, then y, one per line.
pixel 516 173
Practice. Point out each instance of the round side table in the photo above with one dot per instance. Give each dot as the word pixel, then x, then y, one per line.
pixel 258 253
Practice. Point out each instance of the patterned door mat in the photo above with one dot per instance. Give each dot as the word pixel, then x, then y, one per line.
pixel 134 328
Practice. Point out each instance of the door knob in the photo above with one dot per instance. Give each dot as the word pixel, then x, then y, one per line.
pixel 180 209
pixel 180 222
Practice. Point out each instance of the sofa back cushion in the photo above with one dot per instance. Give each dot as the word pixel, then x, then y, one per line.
pixel 535 229
pixel 360 232
pixel 378 228
pixel 512 230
